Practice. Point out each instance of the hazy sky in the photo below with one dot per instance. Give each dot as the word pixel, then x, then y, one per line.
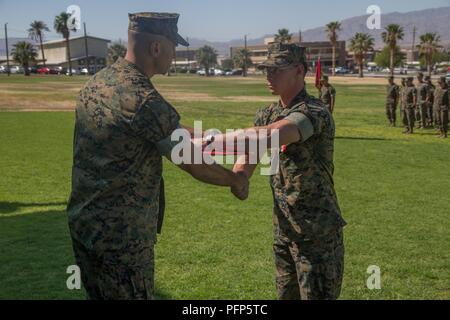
pixel 205 19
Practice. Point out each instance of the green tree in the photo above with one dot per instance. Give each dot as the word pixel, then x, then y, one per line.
pixel 24 53
pixel 383 59
pixel 206 56
pixel 62 24
pixel 332 29
pixel 227 64
pixel 241 59
pixel 391 36
pixel 115 51
pixel 36 32
pixel 360 44
pixel 283 36
pixel 428 47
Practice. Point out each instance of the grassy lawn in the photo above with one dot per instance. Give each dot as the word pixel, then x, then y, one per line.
pixel 393 190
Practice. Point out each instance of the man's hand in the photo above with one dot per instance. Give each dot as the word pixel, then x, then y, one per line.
pixel 240 186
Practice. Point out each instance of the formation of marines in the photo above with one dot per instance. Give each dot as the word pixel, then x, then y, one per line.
pixel 423 105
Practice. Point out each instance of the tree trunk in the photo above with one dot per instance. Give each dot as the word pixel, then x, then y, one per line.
pixel 42 51
pixel 361 75
pixel 392 62
pixel 334 60
pixel 26 71
pixel 68 56
pixel 429 65
pixel 206 70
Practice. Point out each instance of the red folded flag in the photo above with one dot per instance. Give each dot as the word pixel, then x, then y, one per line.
pixel 318 72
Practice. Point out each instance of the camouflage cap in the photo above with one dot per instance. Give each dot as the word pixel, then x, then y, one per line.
pixel 410 78
pixel 419 74
pixel 324 77
pixel 427 78
pixel 159 23
pixel 283 55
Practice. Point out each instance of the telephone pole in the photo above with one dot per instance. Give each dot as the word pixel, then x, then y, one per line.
pixel 300 36
pixel 86 47
pixel 245 56
pixel 187 48
pixel 7 49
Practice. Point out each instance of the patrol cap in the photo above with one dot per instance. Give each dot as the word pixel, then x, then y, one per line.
pixel 410 78
pixel 283 55
pixel 419 74
pixel 324 77
pixel 160 23
pixel 427 78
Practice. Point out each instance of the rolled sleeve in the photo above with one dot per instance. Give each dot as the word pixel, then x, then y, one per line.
pixel 303 123
pixel 155 120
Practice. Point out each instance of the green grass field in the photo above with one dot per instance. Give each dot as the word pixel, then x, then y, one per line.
pixel 393 191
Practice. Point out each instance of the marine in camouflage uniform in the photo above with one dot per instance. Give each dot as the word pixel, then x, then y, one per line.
pixel 327 93
pixel 403 103
pixel 441 106
pixel 308 226
pixel 410 96
pixel 392 98
pixel 430 100
pixel 421 106
pixel 122 130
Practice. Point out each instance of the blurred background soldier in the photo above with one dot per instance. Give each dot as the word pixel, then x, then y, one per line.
pixel 441 105
pixel 430 100
pixel 410 104
pixel 391 101
pixel 421 106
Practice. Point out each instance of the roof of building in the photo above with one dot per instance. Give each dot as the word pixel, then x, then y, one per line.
pixel 74 38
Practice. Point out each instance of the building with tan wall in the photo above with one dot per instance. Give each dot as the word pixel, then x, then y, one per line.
pixel 56 54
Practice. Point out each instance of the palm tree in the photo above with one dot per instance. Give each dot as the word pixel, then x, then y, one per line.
pixel 390 37
pixel 283 36
pixel 116 50
pixel 206 56
pixel 241 59
pixel 360 44
pixel 36 31
pixel 24 53
pixel 429 43
pixel 332 29
pixel 62 25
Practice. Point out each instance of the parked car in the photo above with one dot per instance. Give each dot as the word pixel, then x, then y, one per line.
pixel 57 70
pixel 16 69
pixel 400 70
pixel 84 71
pixel 218 72
pixel 3 69
pixel 74 72
pixel 43 70
pixel 341 70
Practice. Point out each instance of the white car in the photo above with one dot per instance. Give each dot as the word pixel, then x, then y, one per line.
pixel 16 69
pixel 84 71
pixel 74 71
pixel 218 72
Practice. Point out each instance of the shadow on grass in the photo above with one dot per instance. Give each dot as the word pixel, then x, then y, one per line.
pixel 11 207
pixel 30 235
pixel 363 138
